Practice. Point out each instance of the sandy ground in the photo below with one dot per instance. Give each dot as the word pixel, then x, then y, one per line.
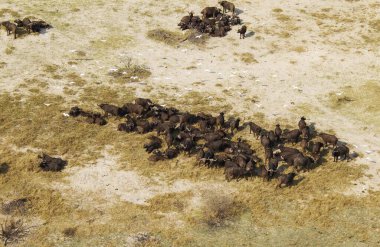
pixel 105 182
pixel 304 52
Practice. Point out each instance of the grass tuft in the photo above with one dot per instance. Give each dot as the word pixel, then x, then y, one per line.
pixel 218 209
pixel 131 71
pixel 175 38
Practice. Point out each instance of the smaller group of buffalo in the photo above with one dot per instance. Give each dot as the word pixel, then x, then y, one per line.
pixel 214 21
pixel 18 26
pixel 210 139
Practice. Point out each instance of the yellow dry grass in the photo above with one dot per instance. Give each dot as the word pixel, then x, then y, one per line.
pixel 315 204
pixel 359 102
pixel 175 38
pixel 247 58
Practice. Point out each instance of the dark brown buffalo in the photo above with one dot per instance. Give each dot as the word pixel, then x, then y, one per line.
pixel 220 120
pixel 218 135
pixel 75 111
pixel 10 28
pixel 234 124
pixel 278 132
pixel 265 141
pixel 268 154
pixel 328 139
pixel 272 137
pixel 112 110
pixel 185 21
pixel 291 136
pixel 171 153
pixel 49 163
pixel 235 20
pixel 188 145
pixel 95 118
pixel 156 156
pixel 262 172
pixel 272 167
pixel 302 123
pixel 341 152
pixel 133 108
pixel 286 179
pixel 290 158
pixel 304 144
pixel 236 173
pixel 143 126
pixel 303 162
pixel 255 129
pixel 155 143
pixel 218 146
pixel 146 103
pixel 242 31
pixel 315 147
pixel 164 127
pixel 287 150
pixel 305 133
pixel 227 6
pixel 24 23
pixel 209 12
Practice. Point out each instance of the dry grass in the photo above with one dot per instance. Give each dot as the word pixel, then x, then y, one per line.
pixel 247 58
pixel 299 49
pixel 165 36
pixel 283 18
pixel 358 103
pixel 9 12
pixel 375 25
pixel 312 202
pixel 277 10
pixel 12 231
pixel 218 208
pixel 77 79
pixel 176 38
pixel 9 50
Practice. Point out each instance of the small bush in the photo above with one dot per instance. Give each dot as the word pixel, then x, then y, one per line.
pixel 217 209
pixel 165 36
pixel 175 38
pixel 131 71
pixel 69 232
pixel 12 231
pixel 277 10
pixel 247 58
pixel 9 50
pixel 18 205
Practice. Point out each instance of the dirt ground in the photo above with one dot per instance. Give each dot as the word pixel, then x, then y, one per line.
pixel 320 60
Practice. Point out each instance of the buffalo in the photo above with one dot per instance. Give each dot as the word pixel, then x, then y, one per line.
pixel 242 31
pixel 286 179
pixel 342 152
pixel 328 139
pixel 49 163
pixel 210 12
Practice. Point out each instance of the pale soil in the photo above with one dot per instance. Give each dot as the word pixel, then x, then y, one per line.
pixel 104 183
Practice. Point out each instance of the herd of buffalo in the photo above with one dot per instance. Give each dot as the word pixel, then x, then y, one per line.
pixel 214 21
pixel 209 138
pixel 28 25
